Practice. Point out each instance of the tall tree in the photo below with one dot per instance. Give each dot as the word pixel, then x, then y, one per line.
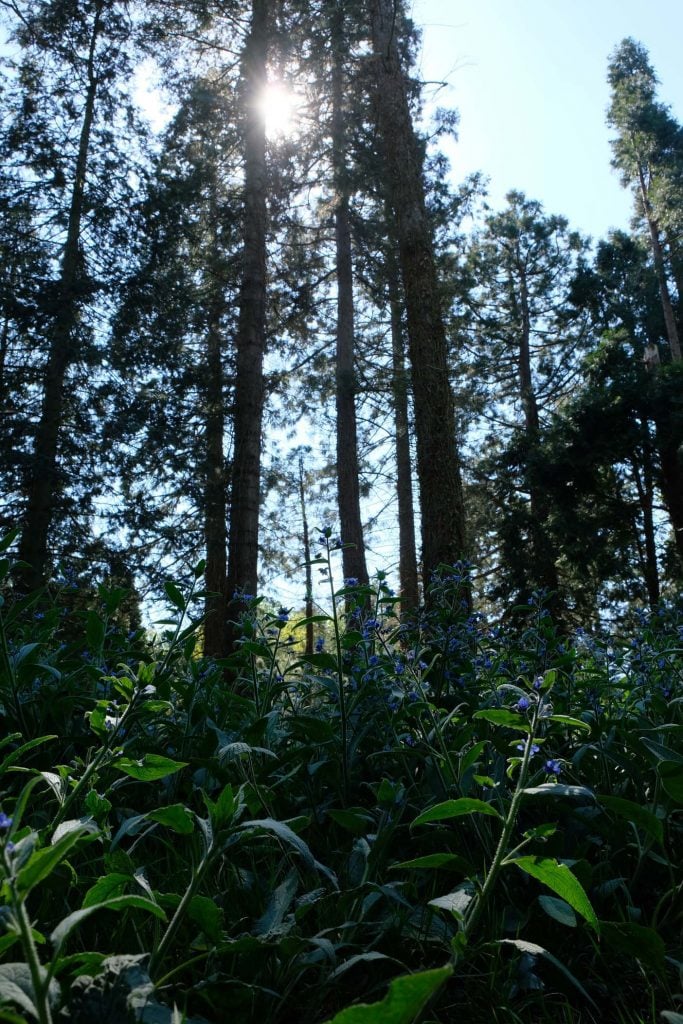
pixel 520 268
pixel 245 494
pixel 438 465
pixel 648 151
pixel 348 473
pixel 72 59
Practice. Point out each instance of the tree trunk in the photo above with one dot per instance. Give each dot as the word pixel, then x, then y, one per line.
pixel 407 559
pixel 245 499
pixel 44 477
pixel 645 489
pixel 307 559
pixel 348 473
pixel 215 511
pixel 438 467
pixel 544 569
pixel 660 269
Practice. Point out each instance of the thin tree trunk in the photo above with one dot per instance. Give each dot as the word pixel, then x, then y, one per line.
pixel 438 467
pixel 215 512
pixel 348 473
pixel 251 333
pixel 645 488
pixel 544 569
pixel 307 559
pixel 409 585
pixel 44 473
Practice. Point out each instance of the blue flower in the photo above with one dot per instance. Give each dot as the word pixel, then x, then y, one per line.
pixel 351 582
pixel 5 822
pixel 534 748
pixel 319 644
pixel 552 767
pixel 282 617
pixel 523 704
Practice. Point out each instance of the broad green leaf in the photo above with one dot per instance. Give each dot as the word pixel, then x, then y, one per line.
pixel 204 912
pixel 278 905
pixel 106 888
pixel 285 833
pixel 636 813
pixel 406 997
pixel 671 774
pixel 74 825
pixel 175 816
pixel 94 631
pixel 223 810
pixel 174 596
pixel 635 940
pixel 660 751
pixel 433 861
pixel 573 723
pixel 300 623
pixel 358 822
pixel 15 755
pixel 41 863
pixel 456 902
pixel 671 1017
pixel 558 910
pixel 556 789
pixel 534 950
pixel 456 809
pixel 499 716
pixel 67 925
pixel 359 958
pixel 150 767
pixel 560 879
pixel 16 986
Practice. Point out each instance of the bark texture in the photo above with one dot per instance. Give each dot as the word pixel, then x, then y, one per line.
pixel 438 468
pixel 245 499
pixel 348 471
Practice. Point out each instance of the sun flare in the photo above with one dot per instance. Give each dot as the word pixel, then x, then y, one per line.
pixel 280 108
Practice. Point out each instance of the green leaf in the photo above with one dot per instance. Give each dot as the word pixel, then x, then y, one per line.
pixel 556 789
pixel 558 910
pixel 660 751
pixel 41 863
pixel 433 861
pixel 223 810
pixel 15 755
pixel 406 997
pixel 671 1017
pixel 635 813
pixel 356 821
pixel 74 825
pixel 175 816
pixel 67 925
pixel 635 940
pixel 573 723
pixel 534 950
pixel 174 596
pixel 204 912
pixel 455 902
pixel 560 879
pixel 94 631
pixel 300 623
pixel 106 888
pixel 671 774
pixel 150 767
pixel 16 986
pixel 499 716
pixel 285 833
pixel 456 809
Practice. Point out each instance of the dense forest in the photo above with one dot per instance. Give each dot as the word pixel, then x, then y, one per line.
pixel 271 347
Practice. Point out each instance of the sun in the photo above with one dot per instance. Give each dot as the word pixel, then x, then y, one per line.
pixel 280 109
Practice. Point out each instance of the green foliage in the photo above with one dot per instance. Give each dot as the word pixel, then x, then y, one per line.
pixel 334 836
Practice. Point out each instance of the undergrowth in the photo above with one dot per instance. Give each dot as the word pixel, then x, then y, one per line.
pixel 442 818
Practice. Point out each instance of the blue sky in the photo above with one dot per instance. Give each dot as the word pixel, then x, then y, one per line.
pixel 529 80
